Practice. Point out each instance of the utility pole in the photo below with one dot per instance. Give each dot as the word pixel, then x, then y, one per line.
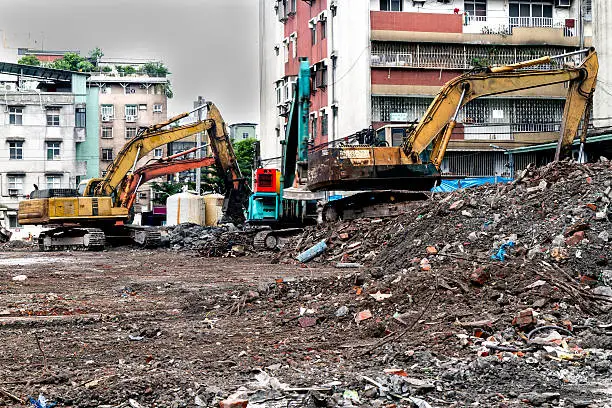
pixel 198 179
pixel 581 20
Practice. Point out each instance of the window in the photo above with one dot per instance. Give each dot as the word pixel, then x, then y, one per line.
pixel 291 7
pixel 524 13
pixel 588 10
pixel 107 154
pixel 158 152
pixel 245 135
pixel 15 185
pixel 476 9
pixel 53 150
pixel 80 118
pixel 279 92
pixel 53 116
pixel 313 32
pixel 107 132
pixel 108 111
pixel 314 127
pixel 142 196
pixel 294 45
pixel 391 5
pixel 158 108
pixel 54 181
pixel 286 50
pixel 320 76
pixel 324 120
pixel 16 150
pixel 15 115
pixel 323 29
pixel 142 107
pixel 130 132
pixel 131 111
pixel 13 222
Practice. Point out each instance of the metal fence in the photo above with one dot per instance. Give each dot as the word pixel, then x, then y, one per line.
pixel 463 57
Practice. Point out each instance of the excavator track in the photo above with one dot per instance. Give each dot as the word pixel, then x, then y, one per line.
pixel 270 239
pixel 76 239
pixel 146 237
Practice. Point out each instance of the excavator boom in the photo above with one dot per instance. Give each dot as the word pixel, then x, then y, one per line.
pixel 158 169
pixel 461 90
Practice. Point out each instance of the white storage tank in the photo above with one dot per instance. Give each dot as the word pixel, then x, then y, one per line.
pixel 214 208
pixel 185 207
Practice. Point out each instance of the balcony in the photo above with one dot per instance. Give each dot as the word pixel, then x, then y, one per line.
pixel 456 56
pixel 457 28
pixel 506 25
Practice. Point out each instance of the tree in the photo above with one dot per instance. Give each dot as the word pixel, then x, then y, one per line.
pixel 245 155
pixel 85 66
pixel 95 55
pixel 164 190
pixel 29 60
pixel 155 69
pixel 72 62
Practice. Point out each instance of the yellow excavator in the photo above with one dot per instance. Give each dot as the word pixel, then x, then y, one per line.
pixel 408 168
pixel 101 208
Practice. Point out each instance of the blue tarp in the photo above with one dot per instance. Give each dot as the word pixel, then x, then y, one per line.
pixel 451 185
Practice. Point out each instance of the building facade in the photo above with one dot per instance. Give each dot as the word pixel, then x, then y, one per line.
pixel 126 103
pixel 379 64
pixel 242 131
pixel 44 133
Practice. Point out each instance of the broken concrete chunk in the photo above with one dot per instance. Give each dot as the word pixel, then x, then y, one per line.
pixel 525 318
pixel 457 205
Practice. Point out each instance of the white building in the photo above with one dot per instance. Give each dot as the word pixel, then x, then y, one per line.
pixel 380 63
pixel 42 121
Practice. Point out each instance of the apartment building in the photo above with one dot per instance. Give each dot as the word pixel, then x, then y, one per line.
pixel 242 130
pixel 128 102
pixel 48 133
pixel 380 63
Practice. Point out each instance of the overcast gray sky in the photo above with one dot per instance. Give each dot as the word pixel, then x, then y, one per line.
pixel 210 46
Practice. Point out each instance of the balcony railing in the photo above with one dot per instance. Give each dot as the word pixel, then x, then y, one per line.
pixel 505 25
pixel 461 57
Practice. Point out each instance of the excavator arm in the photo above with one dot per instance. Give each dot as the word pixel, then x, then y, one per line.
pixel 121 172
pixel 440 119
pixel 149 139
pixel 160 168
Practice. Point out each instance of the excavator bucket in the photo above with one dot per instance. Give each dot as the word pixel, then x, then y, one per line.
pixel 353 168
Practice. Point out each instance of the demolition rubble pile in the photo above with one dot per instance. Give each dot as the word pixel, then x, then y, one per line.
pixel 533 252
pixel 558 213
pixel 219 241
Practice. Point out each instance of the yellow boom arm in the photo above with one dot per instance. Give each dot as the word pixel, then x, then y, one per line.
pixel 440 119
pixel 155 136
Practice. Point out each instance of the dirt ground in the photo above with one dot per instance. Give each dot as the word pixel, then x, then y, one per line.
pixel 138 328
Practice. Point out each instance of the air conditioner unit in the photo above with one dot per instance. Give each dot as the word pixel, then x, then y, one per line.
pixel 563 3
pixel 13 192
pixel 106 118
pixel 10 87
pixel 130 118
pixel 143 86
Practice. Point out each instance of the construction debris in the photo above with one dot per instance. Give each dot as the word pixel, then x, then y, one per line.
pixel 509 306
